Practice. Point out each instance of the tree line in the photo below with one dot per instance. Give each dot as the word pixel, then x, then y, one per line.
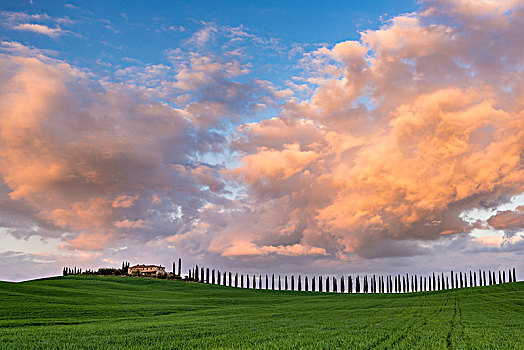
pixel 398 283
pixel 353 284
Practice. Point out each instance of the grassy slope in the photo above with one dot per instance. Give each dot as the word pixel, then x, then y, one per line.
pixel 110 312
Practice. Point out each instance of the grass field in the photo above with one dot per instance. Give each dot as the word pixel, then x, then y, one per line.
pixel 80 312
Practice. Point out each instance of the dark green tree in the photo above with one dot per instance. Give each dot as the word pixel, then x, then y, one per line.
pixel 292 282
pixel 357 284
pixel 342 287
pixel 286 284
pixel 335 289
pixel 306 288
pixel 313 284
pixel 180 267
pixel 279 285
pixel 267 284
pixel 514 275
pixel 259 281
pixel 299 283
pixel 273 281
pixel 207 275
pixel 327 284
pixel 320 289
pixel 350 284
pixel 202 275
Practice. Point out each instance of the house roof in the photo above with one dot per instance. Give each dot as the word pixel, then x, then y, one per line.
pixel 142 265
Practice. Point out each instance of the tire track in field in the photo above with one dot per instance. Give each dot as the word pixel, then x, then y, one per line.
pixel 402 331
pixel 425 321
pixel 449 343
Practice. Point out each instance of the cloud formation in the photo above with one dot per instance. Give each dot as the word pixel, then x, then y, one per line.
pixel 400 133
pixel 407 128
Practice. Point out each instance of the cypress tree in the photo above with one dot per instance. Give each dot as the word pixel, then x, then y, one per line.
pixel 474 279
pixel 180 267
pixel 273 281
pixel 236 280
pixel 207 275
pixel 218 277
pixel 241 281
pixel 514 275
pixel 447 283
pixel 365 284
pixel 500 278
pixel 396 285
pixel 335 289
pixel 213 277
pixel 174 268
pixel 267 284
pixel 202 274
pixel 320 289
pixel 230 279
pixel 327 284
pixel 504 276
pixel 484 278
pixel 307 284
pixel 357 284
pixel 470 279
pixel 420 284
pixel 196 273
pixel 350 284
pixel 425 284
pixel 286 285
pixel 342 289
pixel 299 283
pixel 259 281
pixel 279 285
pixel 313 284
pixel 462 285
pixel 451 274
pixel 293 282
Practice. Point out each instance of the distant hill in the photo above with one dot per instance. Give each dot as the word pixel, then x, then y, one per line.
pixel 81 312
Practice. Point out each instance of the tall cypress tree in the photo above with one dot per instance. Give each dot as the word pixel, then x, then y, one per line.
pixel 241 281
pixel 174 267
pixel 299 283
pixel 213 276
pixel 484 278
pixel 335 289
pixel 292 282
pixel 196 274
pixel 236 280
pixel 327 284
pixel 470 279
pixel 500 278
pixel 279 285
pixel 306 288
pixel 425 284
pixel 514 275
pixel 180 267
pixel 207 275
pixel 259 281
pixel 202 274
pixel 286 285
pixel 342 289
pixel 273 281
pixel 350 284
pixel 504 276
pixel 451 275
pixel 313 284
pixel 267 284
pixel 320 289
pixel 357 284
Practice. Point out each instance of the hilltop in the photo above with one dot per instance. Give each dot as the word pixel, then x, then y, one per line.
pixel 84 312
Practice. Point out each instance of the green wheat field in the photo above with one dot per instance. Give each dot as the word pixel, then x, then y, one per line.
pixel 82 312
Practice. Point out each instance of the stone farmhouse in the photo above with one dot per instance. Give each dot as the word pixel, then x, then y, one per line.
pixel 147 270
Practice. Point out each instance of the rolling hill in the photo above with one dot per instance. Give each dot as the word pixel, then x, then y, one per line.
pixel 81 312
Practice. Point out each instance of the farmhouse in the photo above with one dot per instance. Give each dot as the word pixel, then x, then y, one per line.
pixel 147 270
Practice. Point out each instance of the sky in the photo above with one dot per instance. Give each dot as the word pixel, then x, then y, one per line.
pixel 289 137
